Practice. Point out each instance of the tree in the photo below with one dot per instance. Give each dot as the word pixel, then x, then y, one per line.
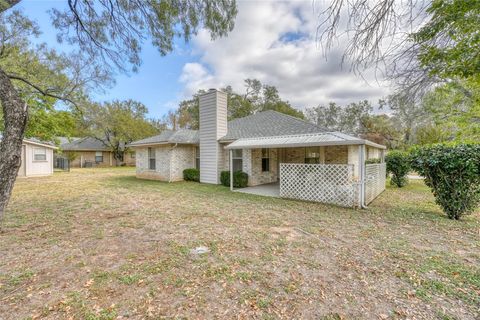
pixel 449 41
pixel 117 123
pixel 256 98
pixel 456 106
pixel 421 43
pixel 110 32
pixel 408 116
pixel 357 119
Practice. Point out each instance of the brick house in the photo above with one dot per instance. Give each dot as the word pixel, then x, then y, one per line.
pixel 263 145
pixel 91 152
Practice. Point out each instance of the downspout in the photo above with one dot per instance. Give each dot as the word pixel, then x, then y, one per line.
pixel 362 177
pixel 231 169
pixel 170 166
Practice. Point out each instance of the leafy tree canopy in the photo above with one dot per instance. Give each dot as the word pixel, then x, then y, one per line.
pixel 449 41
pixel 456 106
pixel 257 97
pixel 117 123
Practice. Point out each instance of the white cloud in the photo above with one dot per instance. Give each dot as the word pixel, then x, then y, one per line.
pixel 274 42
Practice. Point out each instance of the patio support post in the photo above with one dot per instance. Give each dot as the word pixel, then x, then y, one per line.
pixel 231 169
pixel 362 175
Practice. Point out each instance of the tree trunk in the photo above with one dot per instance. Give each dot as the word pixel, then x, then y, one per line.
pixel 15 120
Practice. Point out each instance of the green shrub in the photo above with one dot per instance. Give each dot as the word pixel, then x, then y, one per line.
pixel 453 174
pixel 191 175
pixel 398 165
pixel 240 179
pixel 373 161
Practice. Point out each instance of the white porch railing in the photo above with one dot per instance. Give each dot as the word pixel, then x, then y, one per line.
pixel 375 176
pixel 327 183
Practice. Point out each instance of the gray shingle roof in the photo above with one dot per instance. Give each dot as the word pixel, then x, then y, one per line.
pixel 268 124
pixel 84 144
pixel 184 136
pixel 262 124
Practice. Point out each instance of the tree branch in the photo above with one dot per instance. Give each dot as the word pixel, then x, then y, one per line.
pixel 41 91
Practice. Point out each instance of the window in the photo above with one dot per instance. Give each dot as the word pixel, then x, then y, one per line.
pixel 98 156
pixel 151 159
pixel 265 160
pixel 197 158
pixel 312 155
pixel 132 154
pixel 237 160
pixel 40 154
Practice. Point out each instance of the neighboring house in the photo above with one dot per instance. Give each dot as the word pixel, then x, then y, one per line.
pixel 91 152
pixel 299 159
pixel 37 158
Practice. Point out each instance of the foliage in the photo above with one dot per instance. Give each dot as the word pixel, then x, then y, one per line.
pixel 240 179
pixel 455 106
pixel 398 165
pixel 453 174
pixel 114 31
pixel 257 97
pixel 356 118
pixel 373 161
pixel 117 123
pixel 407 116
pixel 449 41
pixel 430 134
pixel 62 75
pixel 191 174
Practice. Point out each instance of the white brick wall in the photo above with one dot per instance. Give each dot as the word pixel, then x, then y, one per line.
pixel 162 163
pixel 169 165
pixel 182 157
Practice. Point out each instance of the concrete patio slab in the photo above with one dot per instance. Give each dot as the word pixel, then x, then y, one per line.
pixel 267 190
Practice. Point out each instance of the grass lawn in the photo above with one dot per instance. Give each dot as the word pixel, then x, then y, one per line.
pixel 100 244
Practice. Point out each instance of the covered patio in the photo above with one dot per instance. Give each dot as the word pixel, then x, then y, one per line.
pixel 325 167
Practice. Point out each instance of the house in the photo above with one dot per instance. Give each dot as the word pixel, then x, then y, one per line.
pixel 91 152
pixel 37 158
pixel 294 158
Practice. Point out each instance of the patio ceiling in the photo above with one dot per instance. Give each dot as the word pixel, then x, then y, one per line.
pixel 301 140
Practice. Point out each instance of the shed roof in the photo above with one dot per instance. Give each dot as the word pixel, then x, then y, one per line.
pixel 301 140
pixel 39 142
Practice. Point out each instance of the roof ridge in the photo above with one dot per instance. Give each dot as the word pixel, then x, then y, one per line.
pixel 295 118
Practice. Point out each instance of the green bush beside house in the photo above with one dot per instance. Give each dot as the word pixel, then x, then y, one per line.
pixel 191 175
pixel 240 179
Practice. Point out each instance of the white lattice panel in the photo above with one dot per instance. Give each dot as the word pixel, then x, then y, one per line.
pixel 375 176
pixel 327 183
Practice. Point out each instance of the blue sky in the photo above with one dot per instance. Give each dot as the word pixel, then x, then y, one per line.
pixel 155 84
pixel 273 41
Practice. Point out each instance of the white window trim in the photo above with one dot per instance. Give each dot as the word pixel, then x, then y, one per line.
pixel 35 149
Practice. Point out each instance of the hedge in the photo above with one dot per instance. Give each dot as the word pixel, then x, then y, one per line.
pixel 240 179
pixel 453 174
pixel 398 164
pixel 191 175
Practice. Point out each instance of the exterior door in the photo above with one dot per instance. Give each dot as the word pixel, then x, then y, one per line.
pixel 21 171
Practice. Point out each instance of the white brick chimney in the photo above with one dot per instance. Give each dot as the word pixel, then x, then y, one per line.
pixel 213 126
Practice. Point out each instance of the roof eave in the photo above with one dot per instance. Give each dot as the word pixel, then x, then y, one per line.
pixel 137 145
pixel 40 144
pixel 300 145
